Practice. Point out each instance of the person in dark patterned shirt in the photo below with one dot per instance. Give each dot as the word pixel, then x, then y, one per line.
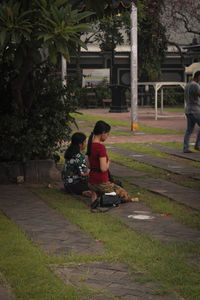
pixel 75 171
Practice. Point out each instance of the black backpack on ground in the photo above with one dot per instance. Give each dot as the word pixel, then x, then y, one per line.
pixel 106 200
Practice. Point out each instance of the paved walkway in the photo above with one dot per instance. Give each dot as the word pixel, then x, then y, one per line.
pixel 111 280
pixel 162 163
pixel 56 235
pixel 195 156
pixel 171 121
pixel 45 226
pixel 165 188
pixel 4 293
pixel 164 228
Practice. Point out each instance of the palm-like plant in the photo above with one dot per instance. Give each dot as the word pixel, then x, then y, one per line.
pixel 32 32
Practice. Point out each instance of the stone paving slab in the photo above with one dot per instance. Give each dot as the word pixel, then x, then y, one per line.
pixel 110 279
pixel 195 156
pixel 171 190
pixel 160 226
pixel 4 293
pixel 163 163
pixel 123 171
pixel 47 228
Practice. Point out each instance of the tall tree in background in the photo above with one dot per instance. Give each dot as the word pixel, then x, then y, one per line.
pixel 181 18
pixel 152 41
pixel 33 34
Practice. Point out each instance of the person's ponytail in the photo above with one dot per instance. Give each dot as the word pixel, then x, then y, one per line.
pixel 89 144
pixel 99 128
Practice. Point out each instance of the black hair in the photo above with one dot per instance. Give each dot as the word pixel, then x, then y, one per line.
pixel 76 139
pixel 99 128
pixel 196 74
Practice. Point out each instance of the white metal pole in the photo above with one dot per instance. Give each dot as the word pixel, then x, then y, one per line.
pixel 162 100
pixel 63 70
pixel 134 69
pixel 156 103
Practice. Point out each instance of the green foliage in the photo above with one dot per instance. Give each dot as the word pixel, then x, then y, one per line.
pixel 151 38
pixel 34 111
pixel 60 30
pixel 102 92
pixel 38 132
pixel 174 96
pixel 108 34
pixel 25 267
pixel 31 33
pixel 152 42
pixel 81 96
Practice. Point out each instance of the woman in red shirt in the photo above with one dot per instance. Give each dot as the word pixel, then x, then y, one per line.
pixel 98 163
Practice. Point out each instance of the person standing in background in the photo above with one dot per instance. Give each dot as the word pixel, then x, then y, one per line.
pixel 192 111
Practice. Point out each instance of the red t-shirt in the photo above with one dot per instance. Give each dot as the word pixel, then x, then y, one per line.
pixel 97 150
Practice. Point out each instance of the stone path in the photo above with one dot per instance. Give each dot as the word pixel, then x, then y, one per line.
pixel 171 190
pixel 110 279
pixel 195 156
pixel 163 163
pixel 46 227
pixel 160 226
pixel 5 293
pixel 51 231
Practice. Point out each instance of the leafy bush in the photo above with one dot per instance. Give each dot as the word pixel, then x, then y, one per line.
pixel 102 92
pixel 37 133
pixel 174 96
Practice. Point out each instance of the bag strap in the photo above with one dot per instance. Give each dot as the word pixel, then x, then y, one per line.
pixel 95 207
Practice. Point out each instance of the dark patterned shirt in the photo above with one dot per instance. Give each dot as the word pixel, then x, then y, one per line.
pixel 73 169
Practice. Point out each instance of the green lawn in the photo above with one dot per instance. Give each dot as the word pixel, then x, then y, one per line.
pixel 119 123
pixel 30 273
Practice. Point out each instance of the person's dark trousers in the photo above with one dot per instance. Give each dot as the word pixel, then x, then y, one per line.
pixel 192 119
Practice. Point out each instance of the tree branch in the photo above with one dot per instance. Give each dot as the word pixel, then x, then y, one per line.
pixel 179 50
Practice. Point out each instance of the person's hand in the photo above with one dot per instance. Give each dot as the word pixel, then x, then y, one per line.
pixel 86 174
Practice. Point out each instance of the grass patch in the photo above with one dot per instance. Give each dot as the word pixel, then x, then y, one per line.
pixel 119 123
pixel 179 146
pixel 176 145
pixel 153 171
pixel 88 129
pixel 144 148
pixel 25 267
pixel 128 162
pixel 174 109
pixel 121 133
pixel 165 264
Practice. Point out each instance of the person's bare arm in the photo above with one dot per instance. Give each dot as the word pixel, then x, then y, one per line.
pixel 88 163
pixel 104 164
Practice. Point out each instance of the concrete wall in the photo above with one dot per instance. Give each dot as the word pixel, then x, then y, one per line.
pixel 33 171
